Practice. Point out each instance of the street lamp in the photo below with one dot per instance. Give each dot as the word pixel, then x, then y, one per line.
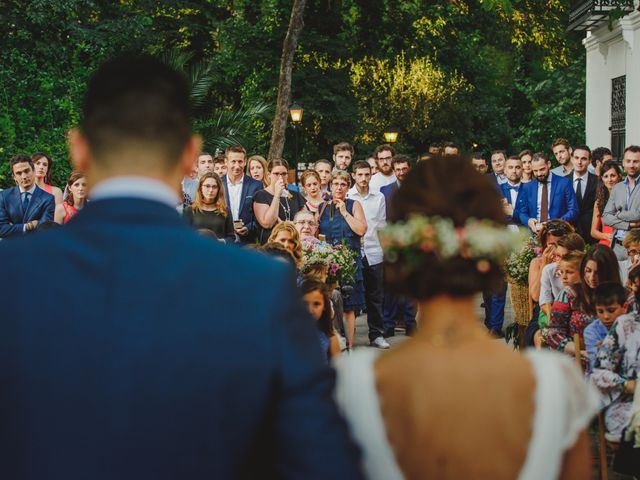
pixel 391 135
pixel 295 112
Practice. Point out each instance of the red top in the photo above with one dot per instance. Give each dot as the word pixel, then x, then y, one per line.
pixel 48 188
pixel 69 212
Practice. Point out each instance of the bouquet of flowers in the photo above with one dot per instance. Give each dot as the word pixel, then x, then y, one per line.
pixel 345 261
pixel 338 260
pixel 517 264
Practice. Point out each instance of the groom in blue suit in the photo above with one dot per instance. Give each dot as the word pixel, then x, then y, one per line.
pixel 534 208
pixel 25 206
pixel 154 352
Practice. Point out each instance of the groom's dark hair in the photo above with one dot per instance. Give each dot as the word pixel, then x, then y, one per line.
pixel 136 101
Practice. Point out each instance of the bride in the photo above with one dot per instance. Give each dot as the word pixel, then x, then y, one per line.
pixel 452 403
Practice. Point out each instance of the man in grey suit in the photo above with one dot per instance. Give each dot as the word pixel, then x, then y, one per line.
pixel 623 208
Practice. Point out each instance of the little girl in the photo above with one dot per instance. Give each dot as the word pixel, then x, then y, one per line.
pixel 316 298
pixel 567 318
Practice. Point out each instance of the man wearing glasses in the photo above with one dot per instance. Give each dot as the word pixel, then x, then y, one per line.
pixel 384 158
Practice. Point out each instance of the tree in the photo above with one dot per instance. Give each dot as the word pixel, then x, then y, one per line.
pixel 284 81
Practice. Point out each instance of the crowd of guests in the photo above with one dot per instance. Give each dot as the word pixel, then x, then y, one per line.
pixel 585 213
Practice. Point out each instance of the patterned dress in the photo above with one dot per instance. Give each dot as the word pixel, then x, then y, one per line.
pixel 618 360
pixel 566 320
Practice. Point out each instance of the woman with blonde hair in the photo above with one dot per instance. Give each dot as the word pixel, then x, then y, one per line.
pixel 209 209
pixel 257 169
pixel 286 234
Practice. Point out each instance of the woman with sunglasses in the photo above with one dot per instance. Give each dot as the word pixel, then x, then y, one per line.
pixel 275 203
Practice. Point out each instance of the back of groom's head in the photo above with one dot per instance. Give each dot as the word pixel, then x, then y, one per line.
pixel 136 103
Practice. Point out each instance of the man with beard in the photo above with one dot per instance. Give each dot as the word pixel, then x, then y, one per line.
pixel 384 157
pixel 375 215
pixel 562 151
pixel 546 197
pixel 479 163
pixel 342 155
pixel 623 208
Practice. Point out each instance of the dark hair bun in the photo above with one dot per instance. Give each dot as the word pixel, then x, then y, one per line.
pixel 447 187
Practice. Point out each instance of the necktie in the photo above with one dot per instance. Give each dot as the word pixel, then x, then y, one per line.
pixel 579 190
pixel 544 204
pixel 26 196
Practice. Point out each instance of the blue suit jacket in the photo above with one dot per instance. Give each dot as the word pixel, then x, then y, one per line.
pixel 506 193
pixel 562 205
pixel 12 218
pixel 388 191
pixel 151 356
pixel 249 188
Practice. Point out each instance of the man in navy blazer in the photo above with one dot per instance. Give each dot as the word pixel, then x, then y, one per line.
pixel 561 199
pixel 239 190
pixel 391 304
pixel 154 352
pixel 25 206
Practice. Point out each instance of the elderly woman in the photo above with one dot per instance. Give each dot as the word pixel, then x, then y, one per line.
pixel 342 221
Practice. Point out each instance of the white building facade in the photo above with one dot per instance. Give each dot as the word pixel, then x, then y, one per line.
pixel 612 74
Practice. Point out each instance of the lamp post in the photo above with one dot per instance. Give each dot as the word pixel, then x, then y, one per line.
pixel 391 135
pixel 295 113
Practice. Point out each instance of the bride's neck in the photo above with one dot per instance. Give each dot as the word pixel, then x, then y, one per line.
pixel 445 313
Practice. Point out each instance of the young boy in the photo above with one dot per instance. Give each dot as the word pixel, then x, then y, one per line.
pixel 609 299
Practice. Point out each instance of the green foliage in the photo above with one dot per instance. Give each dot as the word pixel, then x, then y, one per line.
pixel 498 73
pixel 557 107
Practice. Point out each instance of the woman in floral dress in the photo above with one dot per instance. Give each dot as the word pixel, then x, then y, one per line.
pixel 616 371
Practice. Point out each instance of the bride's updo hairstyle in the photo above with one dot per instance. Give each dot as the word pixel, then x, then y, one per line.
pixel 449 188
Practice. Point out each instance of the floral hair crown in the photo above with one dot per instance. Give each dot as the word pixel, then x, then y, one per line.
pixel 480 240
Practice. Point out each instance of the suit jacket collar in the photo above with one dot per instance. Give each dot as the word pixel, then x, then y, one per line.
pixel 128 211
pixel 36 199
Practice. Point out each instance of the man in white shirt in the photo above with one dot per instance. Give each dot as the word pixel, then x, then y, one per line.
pixel 562 151
pixel 384 158
pixel 239 190
pixel 373 204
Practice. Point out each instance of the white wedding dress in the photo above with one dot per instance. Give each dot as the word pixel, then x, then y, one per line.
pixel 564 405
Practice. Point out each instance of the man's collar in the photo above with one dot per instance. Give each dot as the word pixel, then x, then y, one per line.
pixel 31 190
pixel 234 183
pixel 135 187
pixel 513 184
pixel 576 176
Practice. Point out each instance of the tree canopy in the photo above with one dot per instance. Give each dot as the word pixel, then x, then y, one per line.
pixel 495 73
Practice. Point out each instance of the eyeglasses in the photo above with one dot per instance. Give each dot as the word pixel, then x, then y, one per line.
pixel 633 252
pixel 306 222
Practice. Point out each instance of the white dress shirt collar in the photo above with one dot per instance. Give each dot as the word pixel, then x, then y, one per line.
pixel 31 190
pixel 135 187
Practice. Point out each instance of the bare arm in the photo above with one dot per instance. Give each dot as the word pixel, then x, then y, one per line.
pixel 595 220
pixel 357 222
pixel 577 461
pixel 58 216
pixel 57 195
pixel 535 272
